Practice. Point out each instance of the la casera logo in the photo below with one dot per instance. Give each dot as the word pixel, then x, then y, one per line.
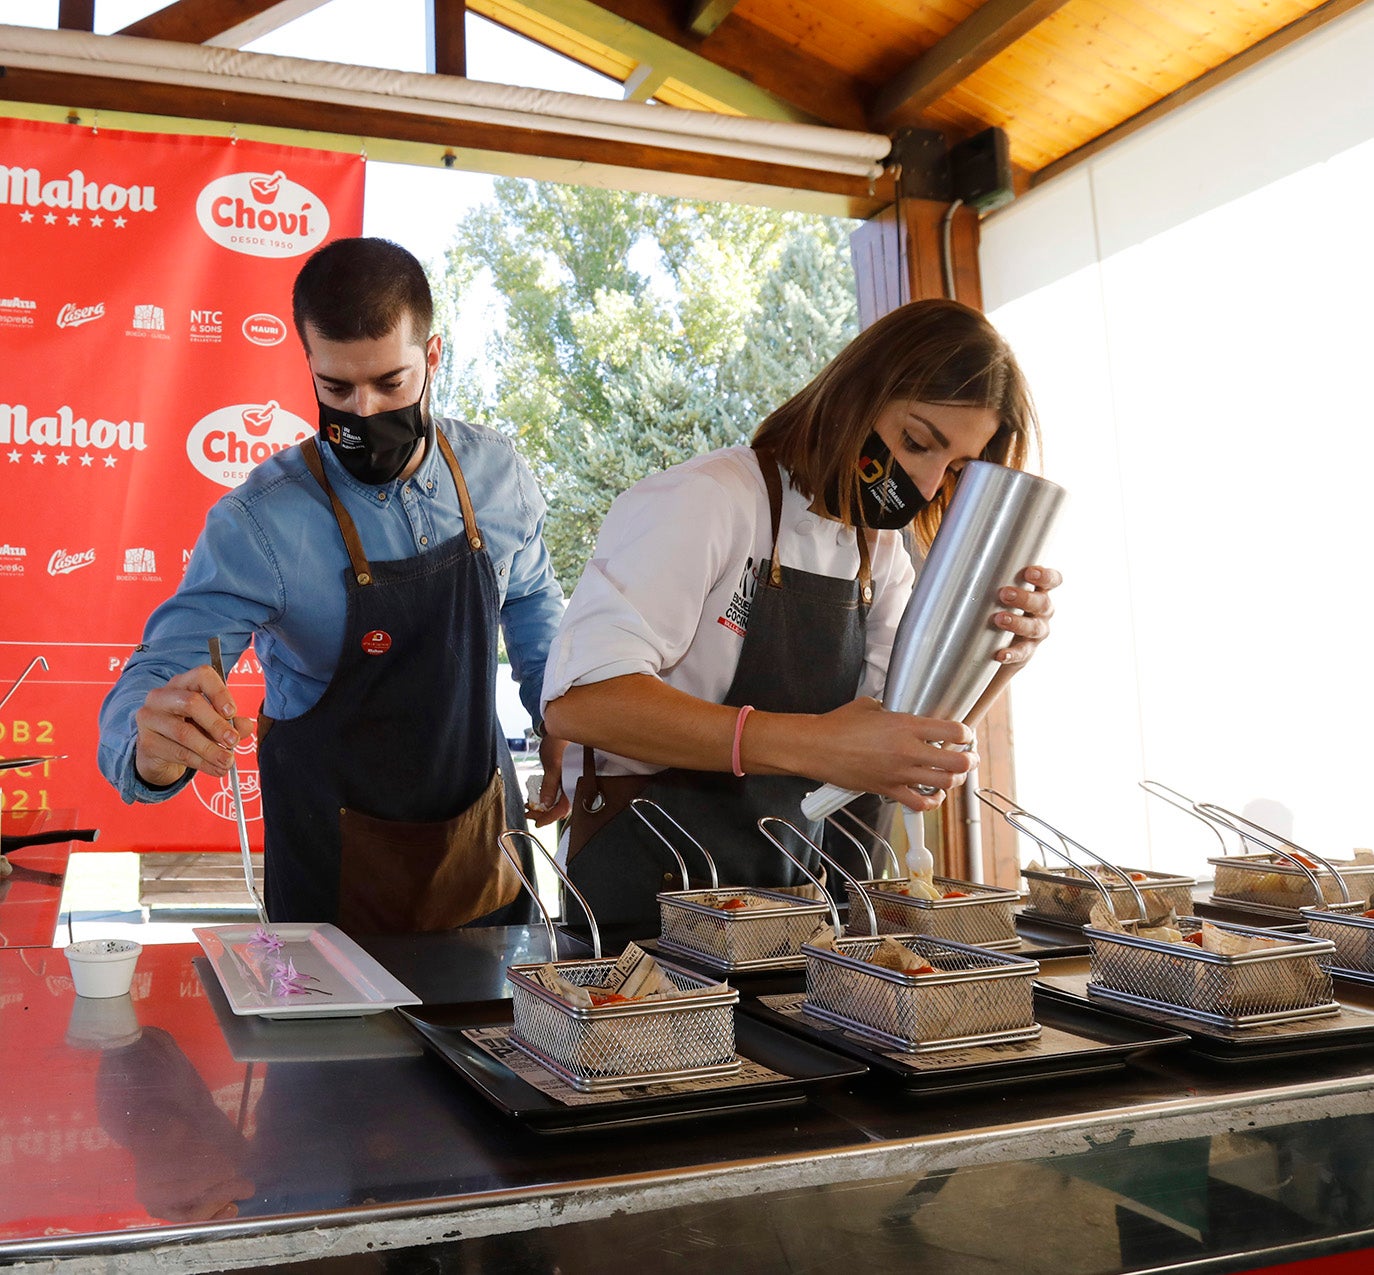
pixel 262 215
pixel 230 441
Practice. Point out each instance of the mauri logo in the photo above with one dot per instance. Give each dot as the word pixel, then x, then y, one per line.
pixel 262 215
pixel 264 329
pixel 226 444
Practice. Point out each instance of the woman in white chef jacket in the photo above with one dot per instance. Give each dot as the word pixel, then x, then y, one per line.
pixel 725 645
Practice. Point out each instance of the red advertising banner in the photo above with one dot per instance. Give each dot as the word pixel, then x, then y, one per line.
pixel 147 363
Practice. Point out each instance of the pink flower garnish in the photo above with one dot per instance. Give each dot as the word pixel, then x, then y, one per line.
pixel 287 980
pixel 268 940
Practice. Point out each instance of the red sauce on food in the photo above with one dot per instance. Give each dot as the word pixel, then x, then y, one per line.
pixel 1195 937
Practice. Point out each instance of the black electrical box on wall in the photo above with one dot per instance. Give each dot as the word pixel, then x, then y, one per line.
pixel 980 170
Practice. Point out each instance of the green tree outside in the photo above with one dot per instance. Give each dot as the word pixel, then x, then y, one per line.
pixel 630 332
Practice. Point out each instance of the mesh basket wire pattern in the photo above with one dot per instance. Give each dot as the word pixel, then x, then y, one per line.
pixel 1069 896
pixel 983 919
pixel 976 996
pixel 749 938
pixel 1271 882
pixel 611 1046
pixel 1351 932
pixel 1243 990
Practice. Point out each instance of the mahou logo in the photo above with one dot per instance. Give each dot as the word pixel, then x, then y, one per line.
pixel 262 215
pixel 63 563
pixel 230 441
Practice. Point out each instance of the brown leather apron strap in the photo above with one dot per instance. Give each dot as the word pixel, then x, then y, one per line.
pixel 362 571
pixel 473 531
pixel 865 576
pixel 772 481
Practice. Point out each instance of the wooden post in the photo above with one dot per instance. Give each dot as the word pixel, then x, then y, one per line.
pixel 447 37
pixel 897 258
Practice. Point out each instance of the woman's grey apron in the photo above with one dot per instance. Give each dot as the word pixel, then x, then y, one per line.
pixel 803 652
pixel 383 803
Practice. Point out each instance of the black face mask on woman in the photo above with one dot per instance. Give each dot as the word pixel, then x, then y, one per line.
pixel 375 449
pixel 888 499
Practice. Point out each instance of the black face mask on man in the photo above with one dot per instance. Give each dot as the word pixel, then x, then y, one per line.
pixel 888 499
pixel 375 449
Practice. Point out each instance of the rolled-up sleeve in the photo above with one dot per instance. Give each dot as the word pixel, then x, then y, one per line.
pixel 232 588
pixel 639 604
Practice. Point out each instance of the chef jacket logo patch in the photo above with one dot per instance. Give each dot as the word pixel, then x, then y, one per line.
pixel 377 642
pixel 736 617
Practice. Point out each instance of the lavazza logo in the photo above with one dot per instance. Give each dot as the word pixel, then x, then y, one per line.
pixel 262 215
pixel 63 563
pixel 230 441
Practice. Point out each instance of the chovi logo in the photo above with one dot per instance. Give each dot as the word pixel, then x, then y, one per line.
pixel 262 215
pixel 226 444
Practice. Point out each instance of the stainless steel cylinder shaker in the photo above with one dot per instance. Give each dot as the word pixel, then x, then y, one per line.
pixel 942 658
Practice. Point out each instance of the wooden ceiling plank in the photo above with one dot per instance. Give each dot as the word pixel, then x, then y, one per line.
pixel 76 15
pixel 1256 53
pixel 706 15
pixel 445 37
pixel 971 45
pixel 224 23
pixel 791 187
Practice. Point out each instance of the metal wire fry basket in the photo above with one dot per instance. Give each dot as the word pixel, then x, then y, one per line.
pixel 770 937
pixel 1067 895
pixel 1248 989
pixel 629 1043
pixel 1351 932
pixel 1270 881
pixel 976 997
pixel 984 918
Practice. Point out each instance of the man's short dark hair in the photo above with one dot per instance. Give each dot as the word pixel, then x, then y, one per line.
pixel 359 289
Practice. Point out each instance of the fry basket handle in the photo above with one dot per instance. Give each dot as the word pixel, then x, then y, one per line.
pixel 815 880
pixel 514 858
pixel 898 866
pixel 853 840
pixel 639 805
pixel 1266 838
pixel 1014 817
pixel 1186 804
pixel 33 663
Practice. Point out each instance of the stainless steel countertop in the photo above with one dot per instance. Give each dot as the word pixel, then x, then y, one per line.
pixel 344 1137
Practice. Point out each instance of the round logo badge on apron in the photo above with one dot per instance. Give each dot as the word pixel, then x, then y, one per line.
pixel 377 642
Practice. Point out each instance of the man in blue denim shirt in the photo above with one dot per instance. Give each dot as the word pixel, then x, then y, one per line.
pixel 370 566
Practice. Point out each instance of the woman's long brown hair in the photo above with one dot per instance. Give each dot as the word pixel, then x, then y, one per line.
pixel 933 351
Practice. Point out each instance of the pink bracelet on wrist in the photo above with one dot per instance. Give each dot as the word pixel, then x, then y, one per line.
pixel 739 732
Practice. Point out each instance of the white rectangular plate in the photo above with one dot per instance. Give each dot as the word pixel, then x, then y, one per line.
pixel 344 980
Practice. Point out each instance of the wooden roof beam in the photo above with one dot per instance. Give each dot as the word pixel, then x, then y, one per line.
pixel 76 15
pixel 226 24
pixel 466 144
pixel 749 54
pixel 972 44
pixel 706 15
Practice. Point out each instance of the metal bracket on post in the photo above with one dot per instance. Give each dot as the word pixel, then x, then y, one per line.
pixel 922 157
